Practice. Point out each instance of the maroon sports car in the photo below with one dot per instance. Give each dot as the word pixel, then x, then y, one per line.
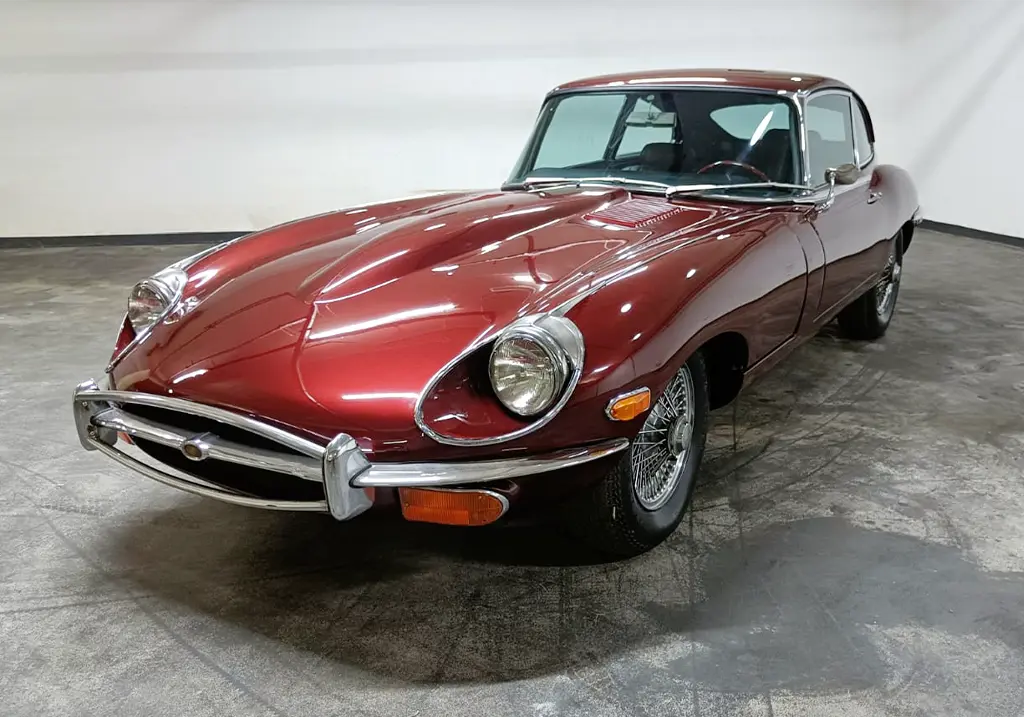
pixel 665 238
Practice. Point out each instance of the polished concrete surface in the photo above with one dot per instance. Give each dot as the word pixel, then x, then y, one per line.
pixel 856 547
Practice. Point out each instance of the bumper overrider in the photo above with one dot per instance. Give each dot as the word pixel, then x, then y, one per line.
pixel 120 423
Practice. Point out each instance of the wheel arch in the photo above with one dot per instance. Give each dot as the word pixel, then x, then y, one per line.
pixel 726 356
pixel 908 234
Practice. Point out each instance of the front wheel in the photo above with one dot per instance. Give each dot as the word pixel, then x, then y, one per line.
pixel 641 501
pixel 868 317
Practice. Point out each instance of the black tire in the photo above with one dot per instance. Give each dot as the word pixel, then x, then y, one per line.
pixel 868 317
pixel 611 517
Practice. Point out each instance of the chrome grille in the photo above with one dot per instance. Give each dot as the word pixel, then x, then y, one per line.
pixel 245 480
pixel 191 424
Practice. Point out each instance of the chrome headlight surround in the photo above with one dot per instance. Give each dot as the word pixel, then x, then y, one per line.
pixel 164 289
pixel 557 349
pixel 152 299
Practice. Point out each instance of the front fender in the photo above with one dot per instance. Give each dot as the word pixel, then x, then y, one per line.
pixel 751 281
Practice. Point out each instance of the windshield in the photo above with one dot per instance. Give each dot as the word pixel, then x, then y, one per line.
pixel 667 138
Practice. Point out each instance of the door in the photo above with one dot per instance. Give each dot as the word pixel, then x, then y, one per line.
pixel 848 228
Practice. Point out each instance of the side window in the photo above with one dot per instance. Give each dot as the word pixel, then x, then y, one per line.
pixel 579 131
pixel 645 124
pixel 860 133
pixel 829 134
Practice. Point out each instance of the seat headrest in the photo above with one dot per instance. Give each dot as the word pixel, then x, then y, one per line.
pixel 662 157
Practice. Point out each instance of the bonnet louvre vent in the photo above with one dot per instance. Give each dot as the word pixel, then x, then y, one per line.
pixel 635 213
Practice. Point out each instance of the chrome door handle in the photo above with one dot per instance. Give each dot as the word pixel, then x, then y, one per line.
pixel 874 197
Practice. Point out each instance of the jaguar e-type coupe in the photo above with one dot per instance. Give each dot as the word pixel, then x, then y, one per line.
pixel 664 239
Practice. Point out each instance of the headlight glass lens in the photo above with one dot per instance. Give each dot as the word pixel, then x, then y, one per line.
pixel 526 378
pixel 144 307
pixel 151 298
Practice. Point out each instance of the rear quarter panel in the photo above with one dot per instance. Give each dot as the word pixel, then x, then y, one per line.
pixel 900 199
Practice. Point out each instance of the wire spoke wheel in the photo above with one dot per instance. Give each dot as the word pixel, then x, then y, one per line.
pixel 658 455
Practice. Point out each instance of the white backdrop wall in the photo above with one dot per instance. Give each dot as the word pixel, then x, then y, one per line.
pixel 140 116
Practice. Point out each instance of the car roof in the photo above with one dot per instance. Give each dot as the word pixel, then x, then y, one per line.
pixel 771 80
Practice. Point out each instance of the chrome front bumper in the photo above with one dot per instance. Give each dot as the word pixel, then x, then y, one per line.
pixel 341 466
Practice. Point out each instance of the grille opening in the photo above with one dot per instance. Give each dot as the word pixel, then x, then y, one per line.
pixel 256 482
pixel 197 424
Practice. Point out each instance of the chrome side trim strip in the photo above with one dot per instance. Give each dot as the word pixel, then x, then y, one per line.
pixel 428 475
pixel 159 476
pixel 213 446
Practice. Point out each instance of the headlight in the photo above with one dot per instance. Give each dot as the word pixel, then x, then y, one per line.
pixel 152 298
pixel 532 361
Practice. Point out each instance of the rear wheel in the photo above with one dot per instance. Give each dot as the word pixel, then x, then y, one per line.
pixel 869 316
pixel 641 501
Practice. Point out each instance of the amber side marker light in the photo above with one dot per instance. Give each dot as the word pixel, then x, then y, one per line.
pixel 452 507
pixel 629 406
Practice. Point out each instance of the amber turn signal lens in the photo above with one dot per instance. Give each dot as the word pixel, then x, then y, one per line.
pixel 464 507
pixel 628 407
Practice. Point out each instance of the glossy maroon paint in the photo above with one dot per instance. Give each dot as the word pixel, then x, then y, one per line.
pixel 338 323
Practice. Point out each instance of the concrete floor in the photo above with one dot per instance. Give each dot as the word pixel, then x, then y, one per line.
pixel 856 547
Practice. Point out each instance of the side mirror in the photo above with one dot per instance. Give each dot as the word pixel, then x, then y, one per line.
pixel 843 174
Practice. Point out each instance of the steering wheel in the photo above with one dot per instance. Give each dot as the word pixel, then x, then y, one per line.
pixel 739 165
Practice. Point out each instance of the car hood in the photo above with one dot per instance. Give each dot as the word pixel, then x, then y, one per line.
pixel 338 322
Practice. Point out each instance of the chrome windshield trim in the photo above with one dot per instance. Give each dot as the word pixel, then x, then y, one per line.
pixel 665 87
pixel 806 97
pixel 794 98
pixel 708 191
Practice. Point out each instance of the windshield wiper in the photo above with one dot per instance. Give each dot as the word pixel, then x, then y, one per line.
pixel 662 188
pixel 531 182
pixel 702 188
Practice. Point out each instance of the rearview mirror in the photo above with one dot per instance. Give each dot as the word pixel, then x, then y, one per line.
pixel 651 119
